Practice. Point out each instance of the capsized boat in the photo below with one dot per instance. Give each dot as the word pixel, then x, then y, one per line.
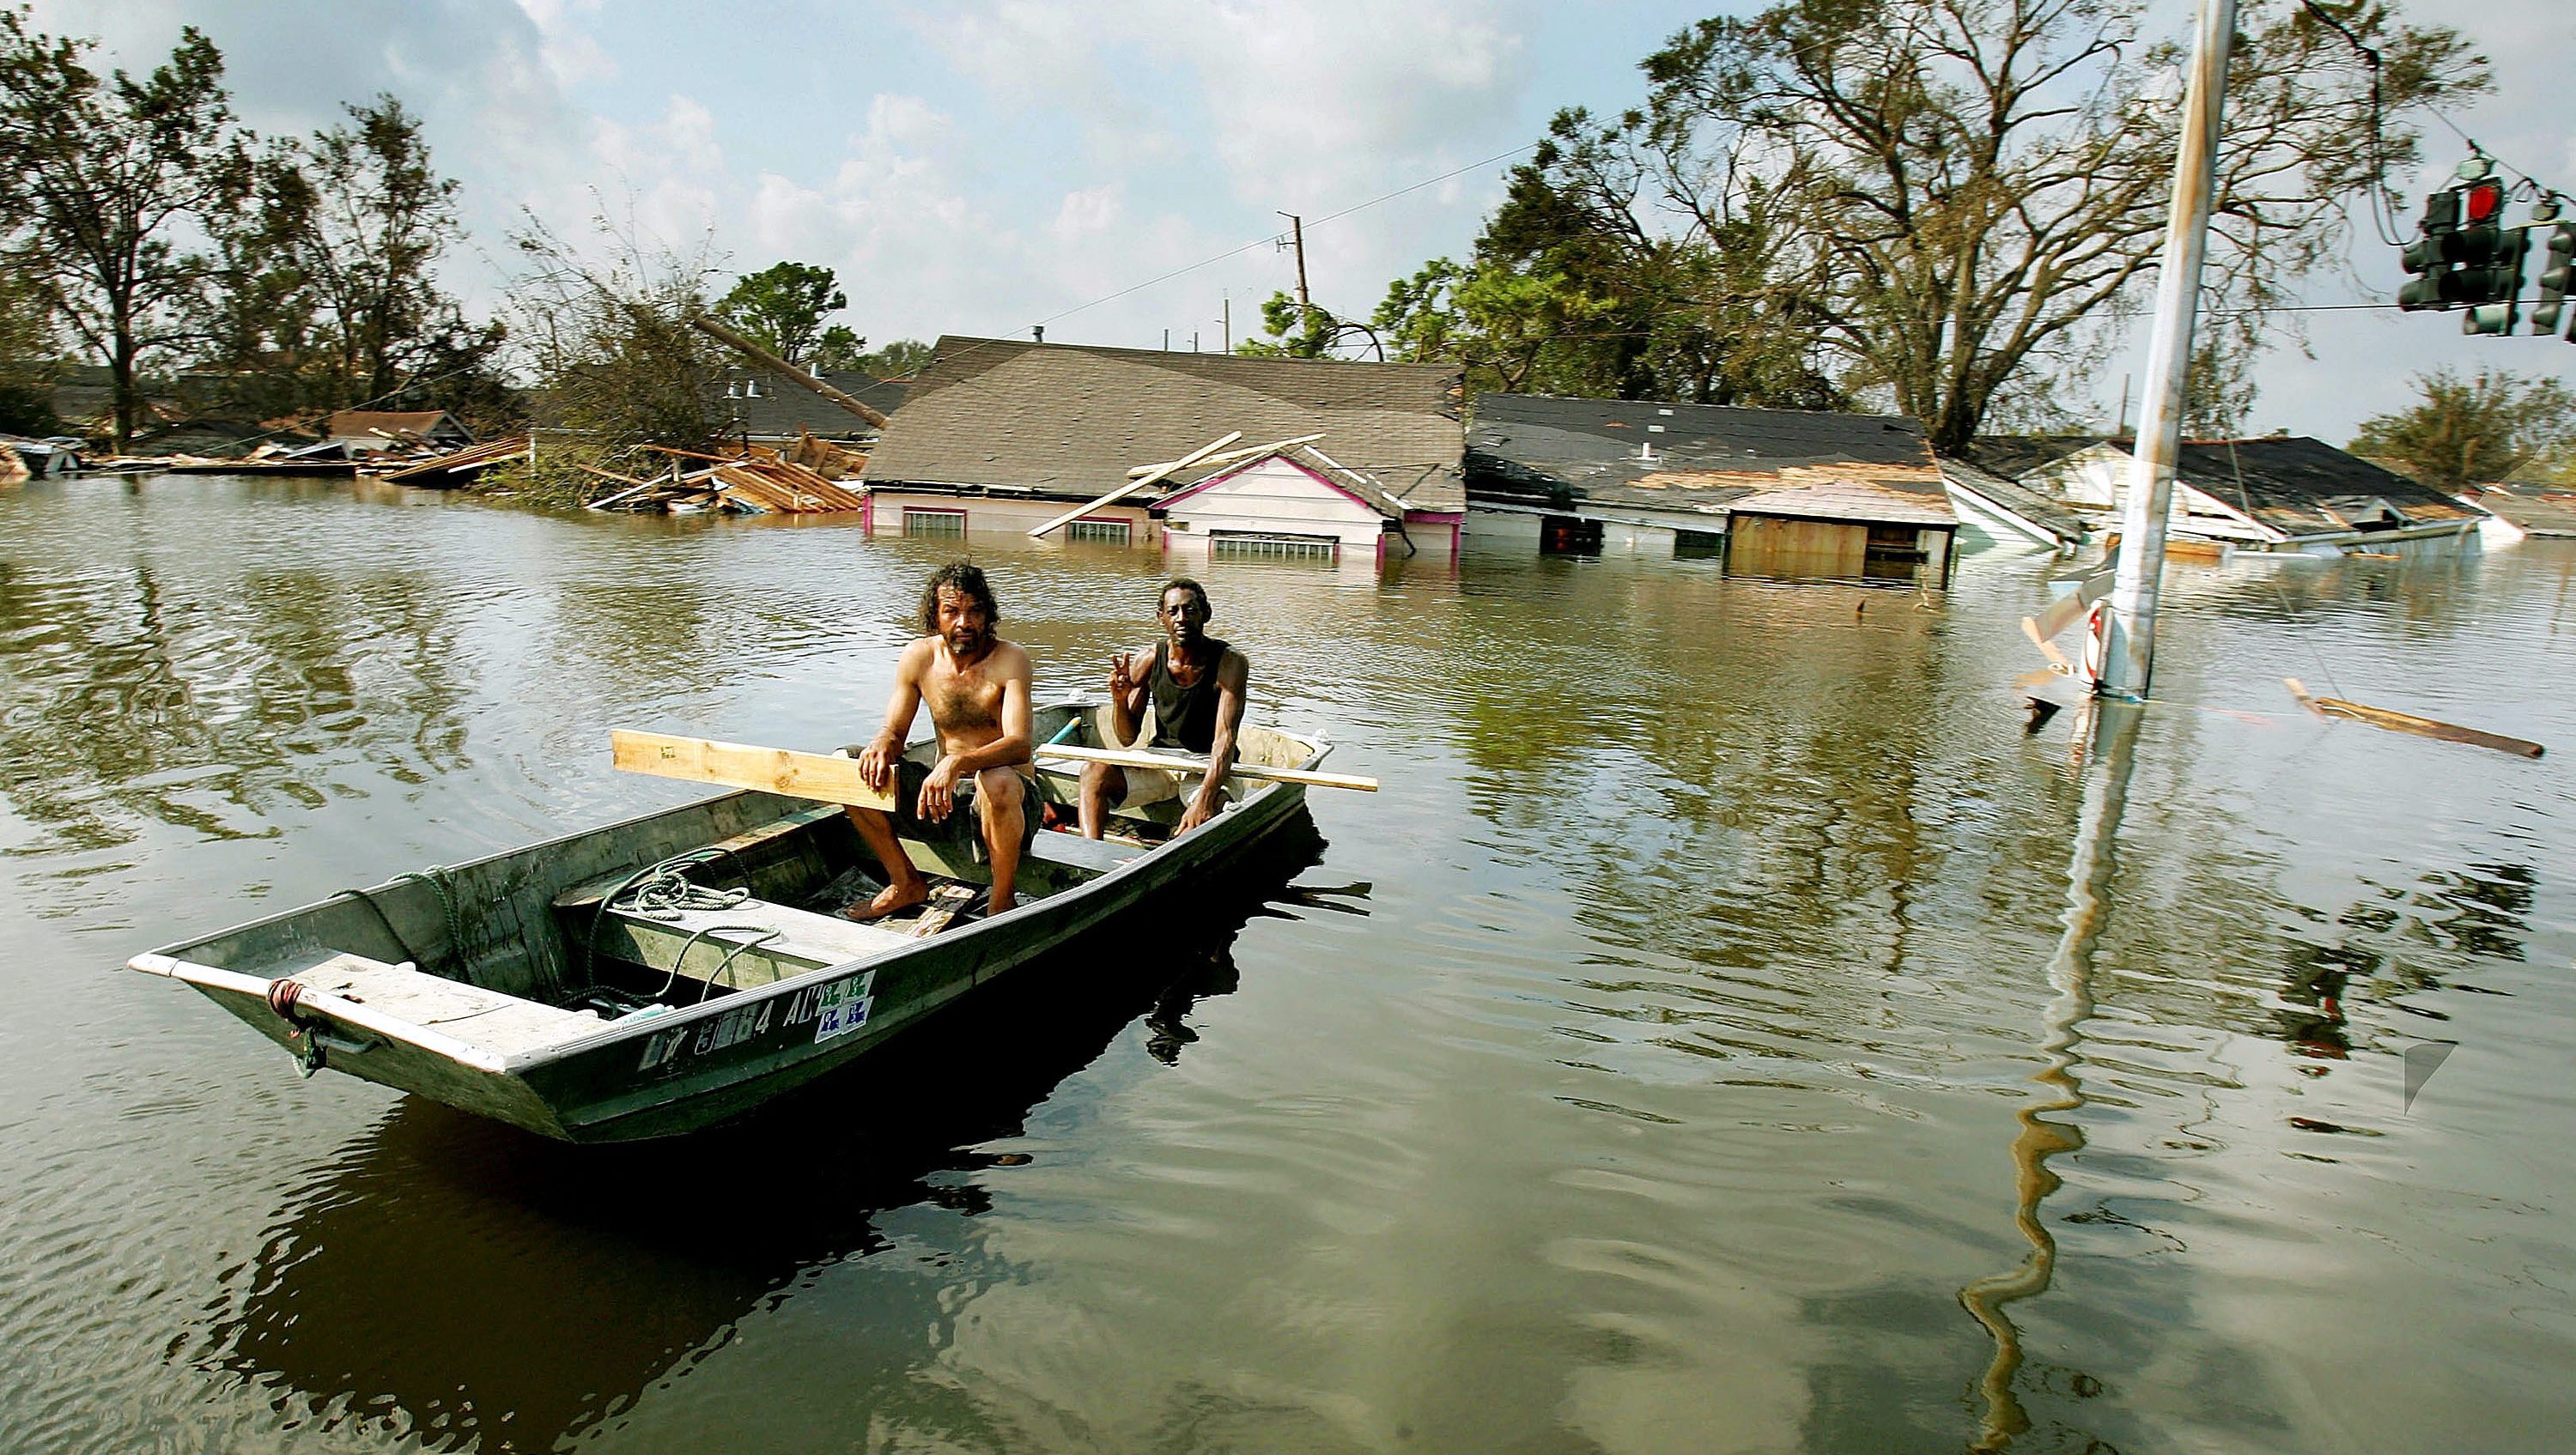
pixel 659 975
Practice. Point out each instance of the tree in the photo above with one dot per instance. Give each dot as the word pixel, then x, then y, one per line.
pixel 782 307
pixel 900 359
pixel 1573 289
pixel 609 341
pixel 26 359
pixel 1940 196
pixel 98 176
pixel 2477 431
pixel 329 288
pixel 841 351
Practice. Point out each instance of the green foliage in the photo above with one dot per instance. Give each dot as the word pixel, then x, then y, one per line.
pixel 100 175
pixel 2479 431
pixel 610 345
pixel 1567 294
pixel 898 360
pixel 329 300
pixel 841 351
pixel 782 308
pixel 26 359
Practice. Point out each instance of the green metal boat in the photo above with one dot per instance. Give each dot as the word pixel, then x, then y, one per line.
pixel 545 988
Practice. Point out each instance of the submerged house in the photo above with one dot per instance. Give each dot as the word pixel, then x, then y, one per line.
pixel 1776 492
pixel 999 434
pixel 2278 493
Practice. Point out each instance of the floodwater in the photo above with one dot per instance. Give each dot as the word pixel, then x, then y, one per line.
pixel 1725 1031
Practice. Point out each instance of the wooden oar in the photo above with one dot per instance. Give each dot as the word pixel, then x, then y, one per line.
pixel 2381 717
pixel 1173 763
pixel 822 777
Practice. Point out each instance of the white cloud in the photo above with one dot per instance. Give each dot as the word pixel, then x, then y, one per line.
pixel 1093 209
pixel 572 54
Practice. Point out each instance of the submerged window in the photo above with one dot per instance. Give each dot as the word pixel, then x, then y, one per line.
pixel 1243 546
pixel 934 522
pixel 1105 532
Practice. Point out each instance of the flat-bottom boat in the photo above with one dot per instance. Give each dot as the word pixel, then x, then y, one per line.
pixel 659 975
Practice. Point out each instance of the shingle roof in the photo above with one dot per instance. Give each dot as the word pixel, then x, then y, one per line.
pixel 1539 450
pixel 2006 494
pixel 783 408
pixel 2303 486
pixel 1070 420
pixel 2015 455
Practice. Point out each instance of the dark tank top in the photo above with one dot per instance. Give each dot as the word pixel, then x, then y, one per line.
pixel 1185 716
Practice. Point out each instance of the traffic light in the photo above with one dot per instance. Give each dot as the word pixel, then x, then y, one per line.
pixel 2489 272
pixel 2431 255
pixel 2557 274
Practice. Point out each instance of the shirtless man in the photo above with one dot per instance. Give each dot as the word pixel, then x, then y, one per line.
pixel 977 686
pixel 1197 686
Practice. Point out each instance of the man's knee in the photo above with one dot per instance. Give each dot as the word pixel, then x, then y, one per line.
pixel 1001 788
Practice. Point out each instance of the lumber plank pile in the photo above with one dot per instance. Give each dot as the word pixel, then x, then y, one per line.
pixel 452 467
pixel 756 482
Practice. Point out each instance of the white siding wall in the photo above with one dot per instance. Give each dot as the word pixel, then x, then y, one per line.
pixel 1276 498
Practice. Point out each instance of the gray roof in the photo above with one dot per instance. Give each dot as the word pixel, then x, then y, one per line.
pixel 2008 495
pixel 2303 486
pixel 2015 455
pixel 1536 450
pixel 1070 420
pixel 782 408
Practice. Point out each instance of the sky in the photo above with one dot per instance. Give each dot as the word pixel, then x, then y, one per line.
pixel 980 166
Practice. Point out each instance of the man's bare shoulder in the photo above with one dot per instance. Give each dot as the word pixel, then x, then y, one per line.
pixel 1009 661
pixel 915 659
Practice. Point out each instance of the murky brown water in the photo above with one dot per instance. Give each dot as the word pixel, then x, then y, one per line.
pixel 1724 1058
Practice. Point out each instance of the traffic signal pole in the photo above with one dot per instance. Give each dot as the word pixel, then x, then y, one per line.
pixel 2129 647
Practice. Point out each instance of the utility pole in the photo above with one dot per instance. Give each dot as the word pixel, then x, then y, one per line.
pixel 2129 646
pixel 1297 240
pixel 1225 320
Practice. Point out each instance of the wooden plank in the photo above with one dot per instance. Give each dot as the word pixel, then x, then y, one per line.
pixel 1132 486
pixel 1249 452
pixel 1188 766
pixel 2381 717
pixel 819 776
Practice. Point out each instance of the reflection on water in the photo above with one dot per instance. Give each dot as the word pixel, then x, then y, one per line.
pixel 1713 1034
pixel 131 698
pixel 403 1287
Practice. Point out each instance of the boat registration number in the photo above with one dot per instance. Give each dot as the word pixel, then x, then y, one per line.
pixel 834 1008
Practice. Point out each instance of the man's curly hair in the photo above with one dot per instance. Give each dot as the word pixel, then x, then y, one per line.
pixel 966 579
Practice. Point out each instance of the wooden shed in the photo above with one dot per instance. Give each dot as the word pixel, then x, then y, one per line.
pixel 1845 530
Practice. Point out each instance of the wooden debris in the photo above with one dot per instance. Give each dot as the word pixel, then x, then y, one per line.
pixel 2381 717
pixel 455 467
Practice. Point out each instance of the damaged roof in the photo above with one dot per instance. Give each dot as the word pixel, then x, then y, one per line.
pixel 1070 420
pixel 782 408
pixel 2015 455
pixel 1539 451
pixel 2301 486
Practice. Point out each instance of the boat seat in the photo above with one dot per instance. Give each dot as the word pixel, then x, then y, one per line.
pixel 1073 851
pixel 482 1017
pixel 799 940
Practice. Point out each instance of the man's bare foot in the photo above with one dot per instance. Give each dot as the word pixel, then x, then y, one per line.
pixel 893 899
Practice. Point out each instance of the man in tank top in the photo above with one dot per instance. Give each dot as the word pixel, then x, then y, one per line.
pixel 1196 685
